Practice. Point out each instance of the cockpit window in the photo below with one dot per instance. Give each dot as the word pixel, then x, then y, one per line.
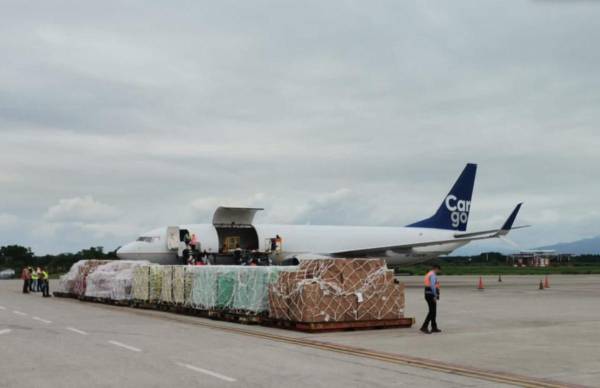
pixel 148 239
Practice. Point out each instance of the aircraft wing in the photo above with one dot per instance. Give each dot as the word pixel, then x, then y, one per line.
pixel 458 238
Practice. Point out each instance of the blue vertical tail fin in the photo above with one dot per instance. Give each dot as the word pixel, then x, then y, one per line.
pixel 453 213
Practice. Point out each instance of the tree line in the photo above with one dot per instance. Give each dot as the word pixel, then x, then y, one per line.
pixel 16 257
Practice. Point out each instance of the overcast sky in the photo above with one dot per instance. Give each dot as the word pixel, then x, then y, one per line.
pixel 118 117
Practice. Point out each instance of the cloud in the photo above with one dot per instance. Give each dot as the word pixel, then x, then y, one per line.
pixel 80 209
pixel 341 207
pixel 8 221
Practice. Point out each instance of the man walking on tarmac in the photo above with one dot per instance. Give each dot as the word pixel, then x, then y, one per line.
pixel 431 296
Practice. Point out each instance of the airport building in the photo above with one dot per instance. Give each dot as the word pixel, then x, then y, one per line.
pixel 541 258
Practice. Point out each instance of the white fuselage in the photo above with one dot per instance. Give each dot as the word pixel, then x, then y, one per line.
pixel 304 241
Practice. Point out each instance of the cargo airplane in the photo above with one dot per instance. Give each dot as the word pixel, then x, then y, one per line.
pixel 233 227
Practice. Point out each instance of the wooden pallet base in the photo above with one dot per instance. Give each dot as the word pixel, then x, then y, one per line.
pixel 237 317
pixel 320 327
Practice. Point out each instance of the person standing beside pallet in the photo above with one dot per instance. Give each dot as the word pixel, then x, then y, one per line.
pixel 431 296
pixel 34 280
pixel 26 277
pixel 45 283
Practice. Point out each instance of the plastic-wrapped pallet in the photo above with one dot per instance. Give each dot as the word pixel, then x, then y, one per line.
pixel 123 285
pixel 84 270
pixel 112 280
pixel 188 285
pixel 141 283
pixel 179 284
pixel 66 283
pixel 226 283
pixel 251 293
pixel 233 288
pixel 155 283
pixel 203 280
pixel 166 295
pixel 337 290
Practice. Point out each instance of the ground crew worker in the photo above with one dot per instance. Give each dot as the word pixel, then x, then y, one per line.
pixel 431 296
pixel 38 271
pixel 194 242
pixel 26 277
pixel 34 281
pixel 30 278
pixel 45 284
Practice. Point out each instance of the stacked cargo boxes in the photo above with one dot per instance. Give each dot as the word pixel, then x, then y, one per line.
pixel 166 293
pixel 155 278
pixel 337 290
pixel 238 289
pixel 141 283
pixel 179 284
pixel 85 269
pixel 112 280
pixel 203 287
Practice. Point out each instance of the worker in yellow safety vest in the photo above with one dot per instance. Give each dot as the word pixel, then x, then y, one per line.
pixel 45 284
pixel 33 286
pixel 432 296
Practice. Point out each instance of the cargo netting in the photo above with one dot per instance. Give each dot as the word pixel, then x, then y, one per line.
pixel 337 290
pixel 112 280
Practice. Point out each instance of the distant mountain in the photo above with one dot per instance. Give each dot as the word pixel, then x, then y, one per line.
pixel 579 247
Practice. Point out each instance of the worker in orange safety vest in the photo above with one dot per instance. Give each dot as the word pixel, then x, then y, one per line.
pixel 432 296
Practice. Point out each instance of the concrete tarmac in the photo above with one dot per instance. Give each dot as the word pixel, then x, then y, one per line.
pixel 510 326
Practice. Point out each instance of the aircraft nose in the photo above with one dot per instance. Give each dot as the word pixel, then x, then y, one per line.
pixel 126 251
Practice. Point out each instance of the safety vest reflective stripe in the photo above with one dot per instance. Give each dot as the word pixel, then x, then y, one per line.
pixel 427 279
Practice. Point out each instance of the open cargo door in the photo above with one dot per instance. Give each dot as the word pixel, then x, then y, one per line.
pixel 234 228
pixel 232 217
pixel 173 237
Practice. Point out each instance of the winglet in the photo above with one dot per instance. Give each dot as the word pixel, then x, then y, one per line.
pixel 511 219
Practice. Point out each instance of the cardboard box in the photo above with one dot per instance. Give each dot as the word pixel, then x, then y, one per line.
pixel 304 304
pixel 278 304
pixel 288 281
pixel 360 274
pixel 314 304
pixel 393 303
pixel 383 303
pixel 327 270
pixel 338 308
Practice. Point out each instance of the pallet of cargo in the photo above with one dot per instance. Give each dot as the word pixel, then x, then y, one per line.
pixel 320 327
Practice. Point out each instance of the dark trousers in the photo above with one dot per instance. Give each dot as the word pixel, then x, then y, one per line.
pixel 431 315
pixel 25 286
pixel 46 288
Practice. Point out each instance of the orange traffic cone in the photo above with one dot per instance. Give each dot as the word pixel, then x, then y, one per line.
pixel 546 282
pixel 480 284
pixel 541 284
